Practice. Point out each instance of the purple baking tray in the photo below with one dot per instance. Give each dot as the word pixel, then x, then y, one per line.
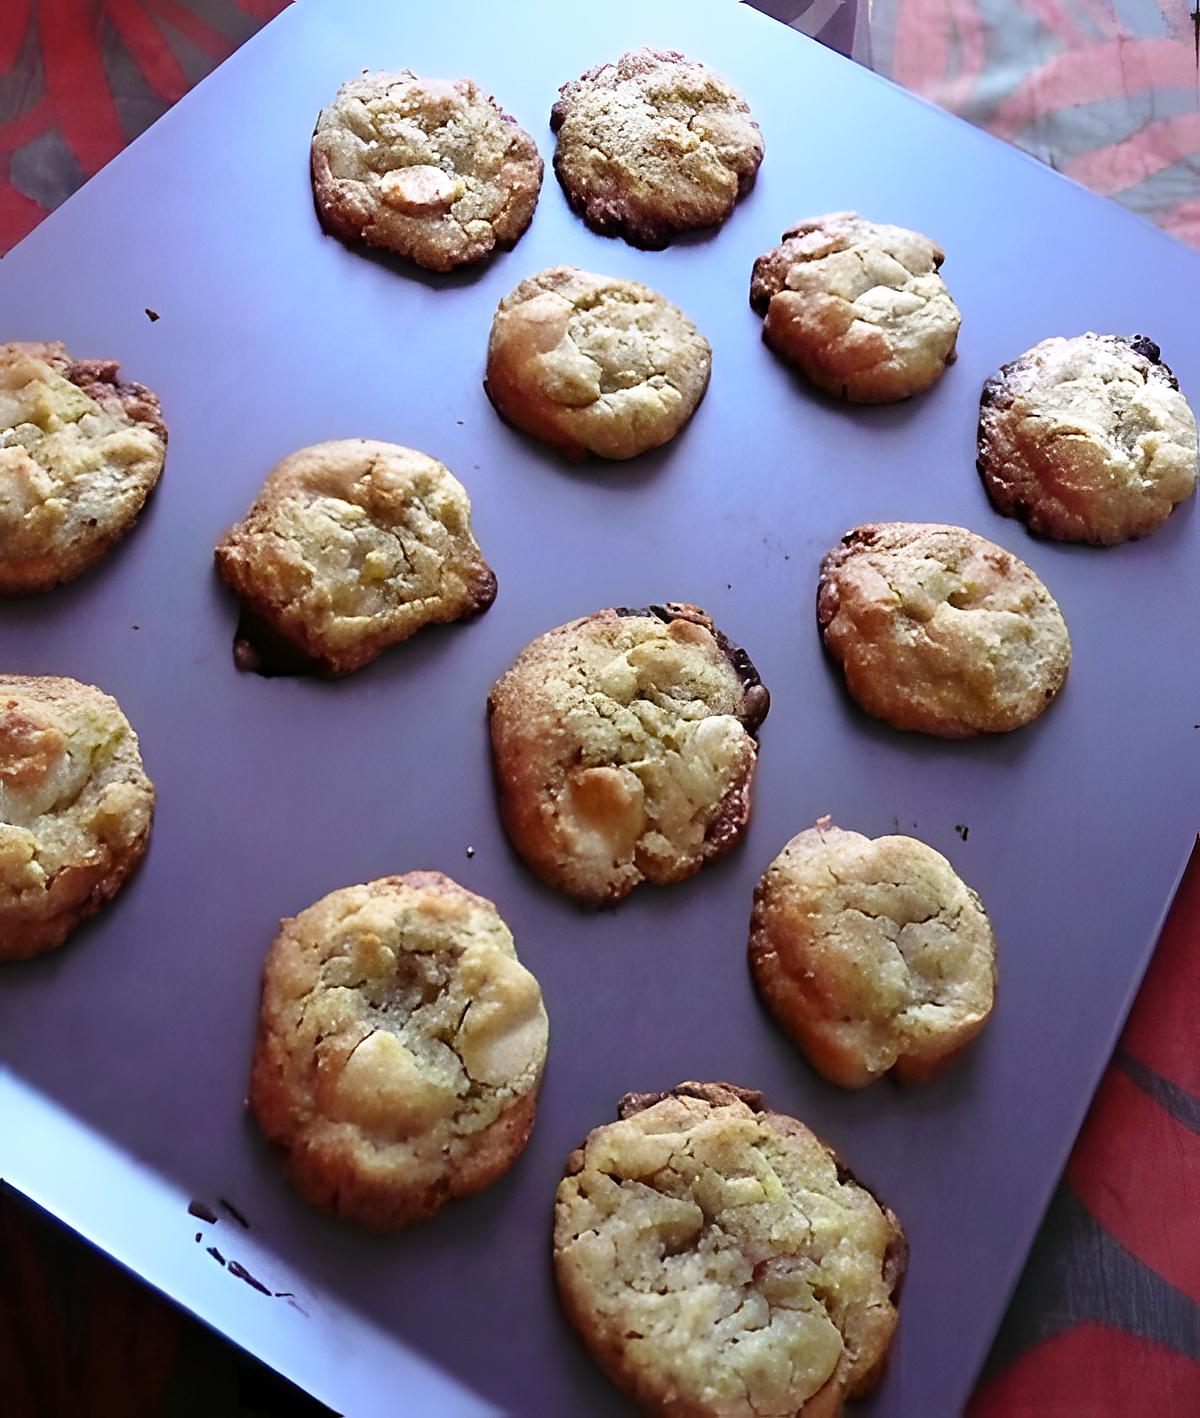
pixel 126 1053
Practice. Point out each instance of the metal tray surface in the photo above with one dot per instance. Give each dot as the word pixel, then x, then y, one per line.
pixel 126 1053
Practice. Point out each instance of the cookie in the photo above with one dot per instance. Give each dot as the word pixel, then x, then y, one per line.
pixel 719 1261
pixel 80 451
pixel 624 748
pixel 939 630
pixel 858 307
pixel 1087 439
pixel 653 145
pixel 400 1049
pixel 873 955
pixel 431 169
pixel 595 364
pixel 75 808
pixel 350 547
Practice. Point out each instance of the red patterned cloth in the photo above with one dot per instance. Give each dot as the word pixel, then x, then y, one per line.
pixel 1106 1320
pixel 1107 91
pixel 81 78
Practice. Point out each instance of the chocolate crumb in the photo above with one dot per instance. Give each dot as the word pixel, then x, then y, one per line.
pixel 196 1237
pixel 234 1212
pixel 216 1255
pixel 201 1211
pixel 238 1269
pixel 962 829
pixel 135 627
pixel 153 314
pixel 285 1294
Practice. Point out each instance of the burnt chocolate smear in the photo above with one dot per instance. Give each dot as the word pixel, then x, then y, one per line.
pixel 201 1211
pixel 234 1212
pixel 238 1269
pixel 895 1264
pixel 994 385
pixel 258 648
pixel 216 1254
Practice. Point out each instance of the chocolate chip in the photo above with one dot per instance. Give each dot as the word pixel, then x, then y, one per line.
pixel 1141 344
pixel 1145 347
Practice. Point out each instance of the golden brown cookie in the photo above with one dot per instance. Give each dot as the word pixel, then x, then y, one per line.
pixel 431 169
pixel 858 307
pixel 719 1261
pixel 350 547
pixel 80 451
pixel 873 955
pixel 653 145
pixel 1087 439
pixel 594 363
pixel 75 808
pixel 400 1049
pixel 939 630
pixel 624 748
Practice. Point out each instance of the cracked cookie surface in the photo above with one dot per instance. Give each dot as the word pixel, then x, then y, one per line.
pixel 939 630
pixel 653 145
pixel 1087 439
pixel 80 451
pixel 624 748
pixel 431 169
pixel 594 363
pixel 719 1261
pixel 353 546
pixel 75 808
pixel 858 307
pixel 874 955
pixel 400 1049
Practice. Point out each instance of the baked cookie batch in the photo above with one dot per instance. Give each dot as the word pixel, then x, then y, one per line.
pixel 714 1255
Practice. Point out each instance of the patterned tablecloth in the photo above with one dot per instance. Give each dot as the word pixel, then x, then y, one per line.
pixel 1106 1320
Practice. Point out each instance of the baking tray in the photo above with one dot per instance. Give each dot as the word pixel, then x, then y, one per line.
pixel 127 1052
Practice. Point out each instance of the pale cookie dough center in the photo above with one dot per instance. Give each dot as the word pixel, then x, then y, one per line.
pixel 429 1025
pixel 676 760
